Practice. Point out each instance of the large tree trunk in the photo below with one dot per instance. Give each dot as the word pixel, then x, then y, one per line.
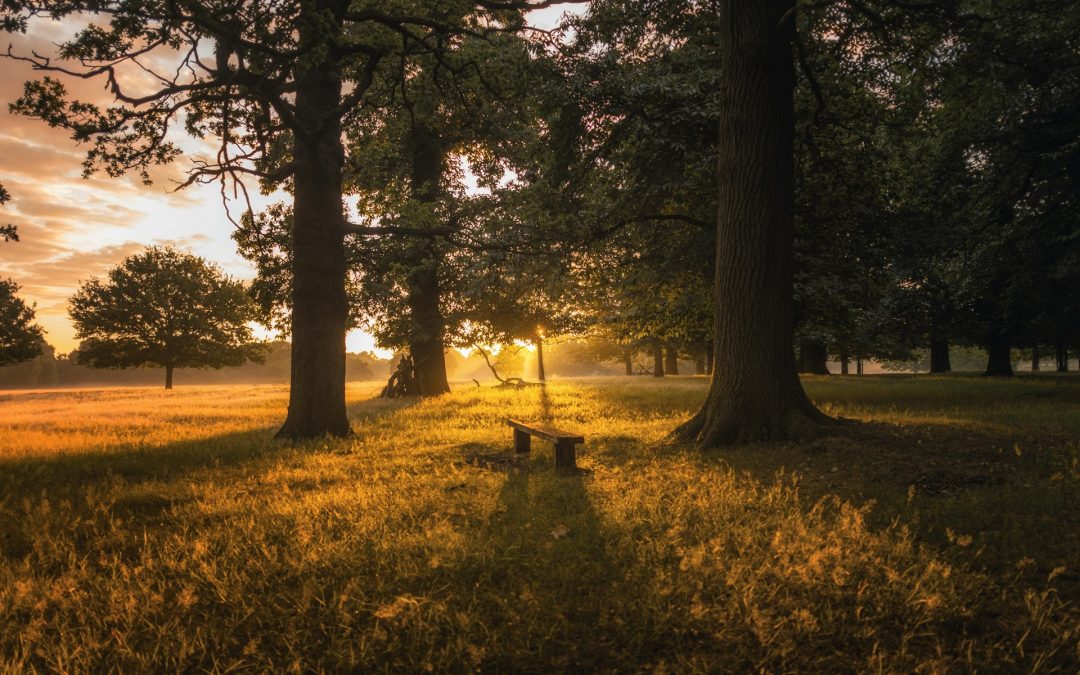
pixel 319 304
pixel 658 358
pixel 426 322
pixel 845 360
pixel 999 361
pixel 426 328
pixel 755 394
pixel 671 361
pixel 813 358
pixel 1035 358
pixel 628 360
pixel 939 356
pixel 168 376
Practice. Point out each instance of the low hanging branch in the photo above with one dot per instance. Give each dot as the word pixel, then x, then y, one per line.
pixel 509 382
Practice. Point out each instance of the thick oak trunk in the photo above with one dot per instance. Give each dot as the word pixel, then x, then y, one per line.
pixel 939 356
pixel 671 361
pixel 845 361
pixel 813 358
pixel 426 322
pixel 755 394
pixel 426 326
pixel 658 358
pixel 168 377
pixel 319 303
pixel 999 361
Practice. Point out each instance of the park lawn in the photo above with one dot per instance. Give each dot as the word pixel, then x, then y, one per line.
pixel 144 530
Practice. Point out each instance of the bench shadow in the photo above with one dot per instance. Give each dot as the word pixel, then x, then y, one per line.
pixel 545 550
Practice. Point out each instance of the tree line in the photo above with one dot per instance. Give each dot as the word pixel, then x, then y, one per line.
pixel 759 186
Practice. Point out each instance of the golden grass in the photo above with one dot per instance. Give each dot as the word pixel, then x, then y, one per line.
pixel 143 530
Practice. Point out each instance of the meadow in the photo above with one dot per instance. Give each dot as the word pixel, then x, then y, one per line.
pixel 935 531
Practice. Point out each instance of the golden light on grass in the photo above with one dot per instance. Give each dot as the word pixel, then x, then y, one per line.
pixel 148 531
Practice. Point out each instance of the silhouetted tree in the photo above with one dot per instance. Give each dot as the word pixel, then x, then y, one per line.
pixel 7 232
pixel 20 338
pixel 168 309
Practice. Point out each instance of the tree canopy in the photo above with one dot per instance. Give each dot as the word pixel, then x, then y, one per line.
pixel 167 309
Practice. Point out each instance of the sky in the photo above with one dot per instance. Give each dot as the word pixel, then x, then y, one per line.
pixel 72 229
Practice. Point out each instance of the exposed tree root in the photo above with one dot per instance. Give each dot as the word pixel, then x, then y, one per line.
pixel 715 425
pixel 404 381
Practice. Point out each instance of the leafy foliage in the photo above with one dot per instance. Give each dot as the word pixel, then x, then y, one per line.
pixel 164 308
pixel 20 338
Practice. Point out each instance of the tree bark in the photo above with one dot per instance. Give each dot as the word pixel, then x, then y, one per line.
pixel 540 360
pixel 319 303
pixel 858 366
pixel 755 394
pixel 628 360
pixel 845 360
pixel 426 328
pixel 813 358
pixel 1035 357
pixel 658 358
pixel 999 361
pixel 426 322
pixel 168 376
pixel 671 361
pixel 939 356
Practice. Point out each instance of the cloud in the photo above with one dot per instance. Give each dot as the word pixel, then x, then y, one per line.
pixel 73 228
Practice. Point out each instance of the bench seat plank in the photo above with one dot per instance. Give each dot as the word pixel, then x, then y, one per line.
pixel 548 433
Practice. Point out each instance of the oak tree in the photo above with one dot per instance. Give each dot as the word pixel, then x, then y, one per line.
pixel 167 309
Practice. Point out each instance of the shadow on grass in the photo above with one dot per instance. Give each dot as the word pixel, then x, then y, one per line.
pixel 996 499
pixel 542 559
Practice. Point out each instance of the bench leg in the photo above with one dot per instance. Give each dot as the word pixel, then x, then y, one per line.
pixel 521 441
pixel 564 455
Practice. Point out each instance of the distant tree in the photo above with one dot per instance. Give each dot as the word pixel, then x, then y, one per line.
pixel 20 338
pixel 164 308
pixel 7 232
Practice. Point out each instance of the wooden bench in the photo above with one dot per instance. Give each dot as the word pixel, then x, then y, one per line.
pixel 565 442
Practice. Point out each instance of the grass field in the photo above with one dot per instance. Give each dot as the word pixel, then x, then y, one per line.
pixel 145 530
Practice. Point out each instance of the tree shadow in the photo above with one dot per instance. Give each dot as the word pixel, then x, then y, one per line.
pixel 546 407
pixel 371 410
pixel 68 475
pixel 989 497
